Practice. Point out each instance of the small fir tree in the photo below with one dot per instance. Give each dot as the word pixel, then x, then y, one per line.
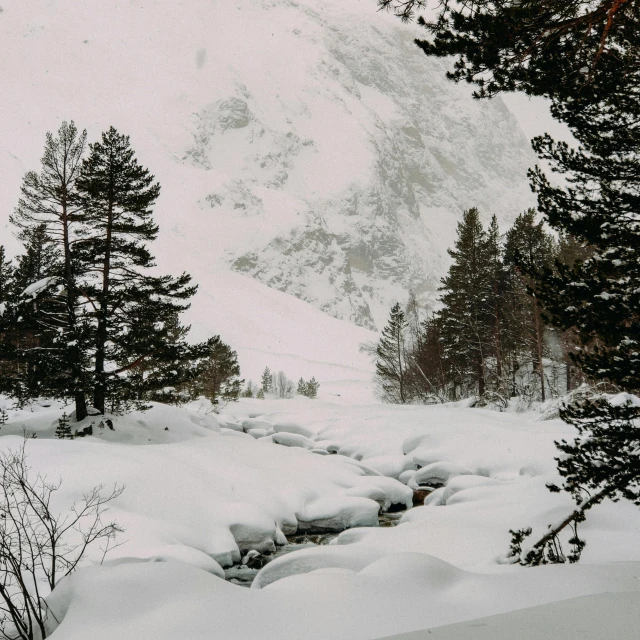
pixel 267 380
pixel 4 417
pixel 302 388
pixel 312 388
pixel 391 363
pixel 260 394
pixel 63 430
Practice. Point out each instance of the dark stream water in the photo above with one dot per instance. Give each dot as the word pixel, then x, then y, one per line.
pixel 244 574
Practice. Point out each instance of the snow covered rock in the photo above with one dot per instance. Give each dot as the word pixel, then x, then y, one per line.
pixel 293 427
pixel 439 473
pixel 337 514
pixel 391 466
pixel 292 440
pixel 256 423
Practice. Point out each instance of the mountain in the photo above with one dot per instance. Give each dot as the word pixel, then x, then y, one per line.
pixel 308 145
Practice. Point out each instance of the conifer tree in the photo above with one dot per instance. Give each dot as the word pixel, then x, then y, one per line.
pixel 267 380
pixel 530 249
pixel 117 195
pixel 63 430
pixel 260 394
pixel 467 317
pixel 302 388
pixel 312 388
pixel 49 207
pixel 391 363
pixel 218 377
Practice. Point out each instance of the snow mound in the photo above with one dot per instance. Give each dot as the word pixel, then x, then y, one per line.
pixel 292 440
pixel 293 427
pixel 439 473
pixel 337 514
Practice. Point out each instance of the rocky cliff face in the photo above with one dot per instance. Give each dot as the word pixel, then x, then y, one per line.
pixel 308 144
pixel 377 152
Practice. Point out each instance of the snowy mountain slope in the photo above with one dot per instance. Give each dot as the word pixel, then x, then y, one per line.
pixel 306 144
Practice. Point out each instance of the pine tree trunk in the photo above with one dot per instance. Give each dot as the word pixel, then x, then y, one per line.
pixel 76 372
pixel 100 392
pixel 539 354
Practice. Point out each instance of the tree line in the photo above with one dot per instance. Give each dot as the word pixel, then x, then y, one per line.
pixel 491 337
pixel 583 57
pixel 84 316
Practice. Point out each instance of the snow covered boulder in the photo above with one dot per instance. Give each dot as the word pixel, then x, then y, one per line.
pixel 439 473
pixel 293 440
pixel 256 423
pixel 393 492
pixel 258 433
pixel 351 451
pixel 227 423
pixel 391 466
pixel 348 557
pixel 293 427
pixel 464 483
pixel 337 514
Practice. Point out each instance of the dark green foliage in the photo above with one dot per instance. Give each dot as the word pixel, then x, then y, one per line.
pixel 63 430
pixel 584 57
pixel 117 196
pixel 602 462
pixel 4 417
pixel 308 388
pixel 47 217
pixel 218 376
pixel 101 325
pixel 391 362
pixel 467 319
pixel 267 380
pixel 260 394
pixel 553 48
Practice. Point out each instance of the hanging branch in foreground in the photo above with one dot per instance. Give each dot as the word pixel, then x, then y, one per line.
pixel 38 547
pixel 602 462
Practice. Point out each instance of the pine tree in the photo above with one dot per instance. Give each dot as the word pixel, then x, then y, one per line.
pixel 117 195
pixel 467 325
pixel 4 417
pixel 49 206
pixel 218 377
pixel 530 250
pixel 63 430
pixel 312 388
pixel 598 206
pixel 602 462
pixel 391 363
pixel 497 291
pixel 260 394
pixel 302 388
pixel 267 380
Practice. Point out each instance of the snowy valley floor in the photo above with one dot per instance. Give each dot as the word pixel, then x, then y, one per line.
pixel 200 493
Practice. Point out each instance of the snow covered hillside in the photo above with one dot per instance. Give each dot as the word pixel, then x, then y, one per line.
pixel 309 145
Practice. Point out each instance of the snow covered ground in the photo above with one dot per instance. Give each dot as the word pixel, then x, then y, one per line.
pixel 200 492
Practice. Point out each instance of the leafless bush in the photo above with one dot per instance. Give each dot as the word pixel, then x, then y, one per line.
pixel 38 547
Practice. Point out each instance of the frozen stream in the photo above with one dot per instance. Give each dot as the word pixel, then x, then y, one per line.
pixel 244 574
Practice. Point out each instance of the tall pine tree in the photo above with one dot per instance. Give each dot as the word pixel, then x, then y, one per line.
pixel 49 205
pixel 467 326
pixel 132 308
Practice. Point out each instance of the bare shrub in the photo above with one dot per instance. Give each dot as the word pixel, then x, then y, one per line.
pixel 38 547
